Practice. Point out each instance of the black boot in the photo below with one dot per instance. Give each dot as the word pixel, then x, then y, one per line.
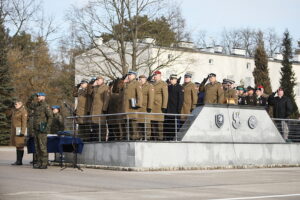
pixel 19 158
pixel 15 163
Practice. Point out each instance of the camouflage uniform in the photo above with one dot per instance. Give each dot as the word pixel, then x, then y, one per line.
pixel 57 123
pixel 42 119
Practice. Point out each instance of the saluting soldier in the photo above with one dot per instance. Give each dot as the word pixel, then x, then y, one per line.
pixel 57 120
pixel 82 107
pixel 18 130
pixel 42 120
pixel 100 98
pixel 160 106
pixel 147 106
pixel 175 102
pixel 214 93
pixel 190 96
pixel 241 96
pixel 132 97
pixel 250 98
pixel 229 93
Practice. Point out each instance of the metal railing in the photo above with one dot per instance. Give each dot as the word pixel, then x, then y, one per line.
pixel 288 128
pixel 133 126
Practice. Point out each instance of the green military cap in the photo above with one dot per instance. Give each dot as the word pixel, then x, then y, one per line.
pixel 240 88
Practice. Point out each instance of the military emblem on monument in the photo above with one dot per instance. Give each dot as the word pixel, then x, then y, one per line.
pixel 236 122
pixel 219 119
pixel 252 122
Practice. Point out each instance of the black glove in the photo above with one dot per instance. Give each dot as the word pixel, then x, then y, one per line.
pixel 149 110
pixel 191 110
pixel 163 110
pixel 105 112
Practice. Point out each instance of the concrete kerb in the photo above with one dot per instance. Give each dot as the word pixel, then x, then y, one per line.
pixel 135 169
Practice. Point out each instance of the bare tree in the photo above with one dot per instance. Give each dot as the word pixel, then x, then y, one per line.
pixel 272 42
pixel 116 56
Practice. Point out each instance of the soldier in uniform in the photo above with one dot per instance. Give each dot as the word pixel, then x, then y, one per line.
pixel 57 120
pixel 260 99
pixel 175 102
pixel 190 96
pixel 82 107
pixel 132 97
pixel 241 96
pixel 100 99
pixel 214 93
pixel 42 119
pixel 18 130
pixel 250 98
pixel 159 106
pixel 147 106
pixel 229 93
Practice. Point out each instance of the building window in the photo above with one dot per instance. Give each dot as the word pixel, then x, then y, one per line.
pixel 211 61
pixel 249 66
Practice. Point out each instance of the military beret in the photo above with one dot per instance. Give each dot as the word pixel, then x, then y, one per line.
pixel 157 72
pixel 188 75
pixel 40 94
pixel 173 76
pixel 280 89
pixel 132 72
pixel 212 75
pixel 55 107
pixel 250 88
pixel 260 86
pixel 84 81
pixel 240 88
pixel 142 76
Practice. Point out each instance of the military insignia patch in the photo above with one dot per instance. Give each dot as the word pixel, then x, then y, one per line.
pixel 236 123
pixel 219 120
pixel 252 122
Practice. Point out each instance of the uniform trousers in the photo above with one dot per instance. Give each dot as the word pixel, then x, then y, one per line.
pixel 40 144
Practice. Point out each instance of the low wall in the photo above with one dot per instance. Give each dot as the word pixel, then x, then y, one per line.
pixel 187 155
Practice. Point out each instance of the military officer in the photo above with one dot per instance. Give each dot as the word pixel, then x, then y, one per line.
pixel 214 93
pixel 82 108
pixel 100 99
pixel 132 97
pixel 42 119
pixel 229 93
pixel 250 98
pixel 159 106
pixel 18 130
pixel 190 96
pixel 147 106
pixel 261 100
pixel 175 102
pixel 57 120
pixel 241 96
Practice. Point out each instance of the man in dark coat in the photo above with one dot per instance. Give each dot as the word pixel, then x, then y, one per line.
pixel 175 102
pixel 282 109
pixel 250 99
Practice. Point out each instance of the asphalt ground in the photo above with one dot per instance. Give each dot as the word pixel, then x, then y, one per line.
pixel 25 183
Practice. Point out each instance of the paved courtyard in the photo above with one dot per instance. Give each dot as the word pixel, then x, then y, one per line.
pixel 23 182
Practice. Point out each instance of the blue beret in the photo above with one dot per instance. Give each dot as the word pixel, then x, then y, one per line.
pixel 132 72
pixel 55 107
pixel 40 94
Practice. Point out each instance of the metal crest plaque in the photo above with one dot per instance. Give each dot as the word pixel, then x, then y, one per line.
pixel 219 119
pixel 252 122
pixel 236 122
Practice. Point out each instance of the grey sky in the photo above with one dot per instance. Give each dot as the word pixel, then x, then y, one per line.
pixel 215 15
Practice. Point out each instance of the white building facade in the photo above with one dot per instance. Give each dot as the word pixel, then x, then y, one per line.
pixel 201 62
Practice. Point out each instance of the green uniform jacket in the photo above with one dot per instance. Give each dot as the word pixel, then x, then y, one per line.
pixel 214 93
pixel 160 99
pixel 18 120
pixel 148 100
pixel 57 123
pixel 190 98
pixel 100 101
pixel 230 95
pixel 82 105
pixel 42 116
pixel 132 90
